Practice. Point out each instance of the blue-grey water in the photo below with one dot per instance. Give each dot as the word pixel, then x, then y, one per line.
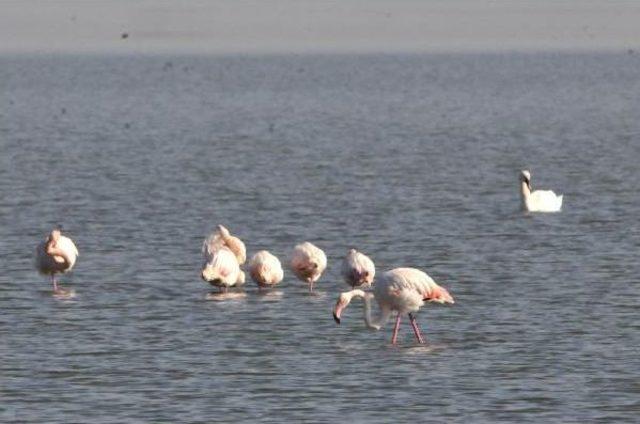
pixel 412 159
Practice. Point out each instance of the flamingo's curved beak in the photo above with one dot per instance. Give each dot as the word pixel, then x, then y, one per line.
pixel 337 311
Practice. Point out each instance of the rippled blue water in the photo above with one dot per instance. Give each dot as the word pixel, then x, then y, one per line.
pixel 412 159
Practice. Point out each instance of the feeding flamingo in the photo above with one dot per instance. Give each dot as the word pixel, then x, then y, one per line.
pixel 403 290
pixel 539 200
pixel 220 268
pixel 265 269
pixel 358 269
pixel 308 263
pixel 56 254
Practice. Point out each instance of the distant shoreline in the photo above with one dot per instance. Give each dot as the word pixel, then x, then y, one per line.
pixel 304 26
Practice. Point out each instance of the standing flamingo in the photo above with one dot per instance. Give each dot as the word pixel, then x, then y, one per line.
pixel 308 263
pixel 358 269
pixel 538 200
pixel 403 290
pixel 220 268
pixel 233 243
pixel 265 269
pixel 56 254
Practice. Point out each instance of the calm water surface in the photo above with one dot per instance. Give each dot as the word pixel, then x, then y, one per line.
pixel 412 159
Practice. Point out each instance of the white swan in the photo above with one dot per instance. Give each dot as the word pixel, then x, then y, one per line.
pixel 539 200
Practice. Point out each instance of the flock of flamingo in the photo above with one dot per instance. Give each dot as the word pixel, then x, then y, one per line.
pixel 400 290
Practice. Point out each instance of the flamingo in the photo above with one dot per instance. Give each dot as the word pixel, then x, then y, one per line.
pixel 358 269
pixel 56 254
pixel 308 263
pixel 232 243
pixel 265 269
pixel 403 290
pixel 220 268
pixel 539 200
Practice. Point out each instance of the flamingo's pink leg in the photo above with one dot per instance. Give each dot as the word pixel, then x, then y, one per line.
pixel 396 327
pixel 416 330
pixel 55 283
pixel 311 287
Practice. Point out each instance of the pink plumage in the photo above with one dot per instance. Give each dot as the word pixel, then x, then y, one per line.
pixel 358 269
pixel 308 262
pixel 220 266
pixel 265 269
pixel 403 290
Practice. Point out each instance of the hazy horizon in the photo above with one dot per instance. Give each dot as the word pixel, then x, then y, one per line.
pixel 351 26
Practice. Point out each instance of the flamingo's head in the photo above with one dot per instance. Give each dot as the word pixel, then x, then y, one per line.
pixel 210 273
pixel 368 278
pixel 311 272
pixel 343 302
pixel 54 236
pixel 222 230
pixel 525 177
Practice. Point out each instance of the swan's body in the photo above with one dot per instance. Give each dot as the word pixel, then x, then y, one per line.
pixel 265 269
pixel 308 263
pixel 220 268
pixel 57 254
pixel 232 243
pixel 538 200
pixel 358 269
pixel 403 290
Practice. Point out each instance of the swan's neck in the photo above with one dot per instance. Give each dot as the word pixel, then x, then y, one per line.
pixel 525 190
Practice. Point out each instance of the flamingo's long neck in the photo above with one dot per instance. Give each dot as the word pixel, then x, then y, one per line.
pixel 56 251
pixel 380 319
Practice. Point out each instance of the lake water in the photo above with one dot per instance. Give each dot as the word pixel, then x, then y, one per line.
pixel 414 160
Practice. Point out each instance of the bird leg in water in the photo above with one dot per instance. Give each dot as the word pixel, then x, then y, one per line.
pixel 55 283
pixel 416 330
pixel 311 287
pixel 396 328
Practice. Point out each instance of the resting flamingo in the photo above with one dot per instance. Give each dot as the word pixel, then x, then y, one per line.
pixel 232 243
pixel 220 268
pixel 308 263
pixel 265 269
pixel 403 290
pixel 358 269
pixel 56 254
pixel 539 200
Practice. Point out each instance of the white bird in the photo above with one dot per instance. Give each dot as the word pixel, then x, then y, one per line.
pixel 308 263
pixel 358 269
pixel 233 243
pixel 539 200
pixel 403 290
pixel 56 254
pixel 220 268
pixel 265 269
